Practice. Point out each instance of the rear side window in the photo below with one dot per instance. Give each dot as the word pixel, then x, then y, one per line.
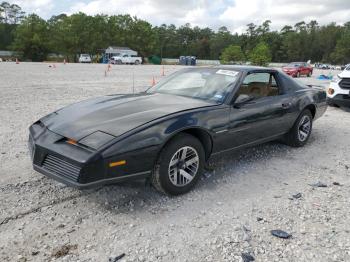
pixel 259 85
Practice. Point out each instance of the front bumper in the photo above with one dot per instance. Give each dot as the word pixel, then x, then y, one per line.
pixel 75 165
pixel 339 97
pixel 291 73
pixel 89 185
pixel 339 100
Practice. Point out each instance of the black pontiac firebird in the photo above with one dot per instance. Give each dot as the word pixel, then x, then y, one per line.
pixel 170 131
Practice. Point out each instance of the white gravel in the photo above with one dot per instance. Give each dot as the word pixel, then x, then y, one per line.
pixel 231 211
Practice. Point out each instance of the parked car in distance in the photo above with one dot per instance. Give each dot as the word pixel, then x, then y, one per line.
pixel 338 92
pixel 84 58
pixel 126 59
pixel 168 133
pixel 297 69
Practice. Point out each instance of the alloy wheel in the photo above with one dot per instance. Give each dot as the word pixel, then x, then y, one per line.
pixel 304 128
pixel 183 166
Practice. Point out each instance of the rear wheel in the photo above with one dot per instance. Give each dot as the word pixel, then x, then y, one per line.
pixel 301 130
pixel 179 165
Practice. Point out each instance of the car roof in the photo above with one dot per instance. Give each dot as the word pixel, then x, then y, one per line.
pixel 244 68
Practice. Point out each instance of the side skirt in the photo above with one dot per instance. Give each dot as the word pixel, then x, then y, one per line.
pixel 251 144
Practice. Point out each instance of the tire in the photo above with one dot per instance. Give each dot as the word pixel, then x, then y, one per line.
pixel 137 62
pixel 296 136
pixel 176 179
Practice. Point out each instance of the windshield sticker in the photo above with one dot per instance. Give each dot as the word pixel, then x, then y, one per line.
pixel 227 72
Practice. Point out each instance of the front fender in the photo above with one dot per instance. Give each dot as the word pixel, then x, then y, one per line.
pixel 157 133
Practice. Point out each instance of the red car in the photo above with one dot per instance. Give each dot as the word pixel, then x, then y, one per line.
pixel 296 69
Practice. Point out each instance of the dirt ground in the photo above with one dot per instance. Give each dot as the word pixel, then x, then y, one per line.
pixel 231 211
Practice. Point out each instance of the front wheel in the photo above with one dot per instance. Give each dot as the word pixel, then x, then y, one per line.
pixel 179 166
pixel 301 130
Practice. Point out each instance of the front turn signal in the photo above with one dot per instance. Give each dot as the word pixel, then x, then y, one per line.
pixel 72 142
pixel 118 163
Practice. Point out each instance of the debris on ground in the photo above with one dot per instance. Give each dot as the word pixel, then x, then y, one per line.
pixel 114 259
pixel 281 234
pixel 34 253
pixel 318 184
pixel 336 184
pixel 246 233
pixel 297 196
pixel 63 250
pixel 247 257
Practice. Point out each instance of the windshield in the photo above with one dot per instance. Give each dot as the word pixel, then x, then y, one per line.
pixel 294 65
pixel 203 83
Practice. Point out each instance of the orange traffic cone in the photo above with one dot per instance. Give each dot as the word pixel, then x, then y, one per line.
pixel 153 82
pixel 17 62
pixel 163 72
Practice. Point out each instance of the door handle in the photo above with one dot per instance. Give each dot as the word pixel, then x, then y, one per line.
pixel 286 105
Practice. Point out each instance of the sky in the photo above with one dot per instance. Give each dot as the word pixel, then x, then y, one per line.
pixel 234 14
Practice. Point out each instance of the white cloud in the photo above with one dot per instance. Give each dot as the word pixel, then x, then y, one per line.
pixel 282 12
pixel 234 14
pixel 42 8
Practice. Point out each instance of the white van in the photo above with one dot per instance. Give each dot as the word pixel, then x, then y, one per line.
pixel 84 58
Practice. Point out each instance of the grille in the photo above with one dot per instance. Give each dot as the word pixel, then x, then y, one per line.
pixel 345 83
pixel 61 168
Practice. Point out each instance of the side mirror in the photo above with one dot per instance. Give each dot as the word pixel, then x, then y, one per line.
pixel 242 99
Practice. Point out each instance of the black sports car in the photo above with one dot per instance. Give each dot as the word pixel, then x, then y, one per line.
pixel 169 132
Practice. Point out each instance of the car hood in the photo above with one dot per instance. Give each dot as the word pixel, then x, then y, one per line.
pixel 345 74
pixel 116 114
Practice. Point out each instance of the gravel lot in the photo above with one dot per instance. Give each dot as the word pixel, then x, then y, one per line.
pixel 231 211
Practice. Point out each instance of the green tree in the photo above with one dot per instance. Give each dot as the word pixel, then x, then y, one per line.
pixel 232 53
pixel 220 40
pixel 341 54
pixel 260 55
pixel 10 14
pixel 31 38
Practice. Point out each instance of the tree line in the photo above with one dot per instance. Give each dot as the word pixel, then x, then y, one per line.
pixel 69 35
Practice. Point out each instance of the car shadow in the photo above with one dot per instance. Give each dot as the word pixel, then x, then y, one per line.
pixel 139 196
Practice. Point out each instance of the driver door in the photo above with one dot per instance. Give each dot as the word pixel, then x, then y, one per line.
pixel 261 118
